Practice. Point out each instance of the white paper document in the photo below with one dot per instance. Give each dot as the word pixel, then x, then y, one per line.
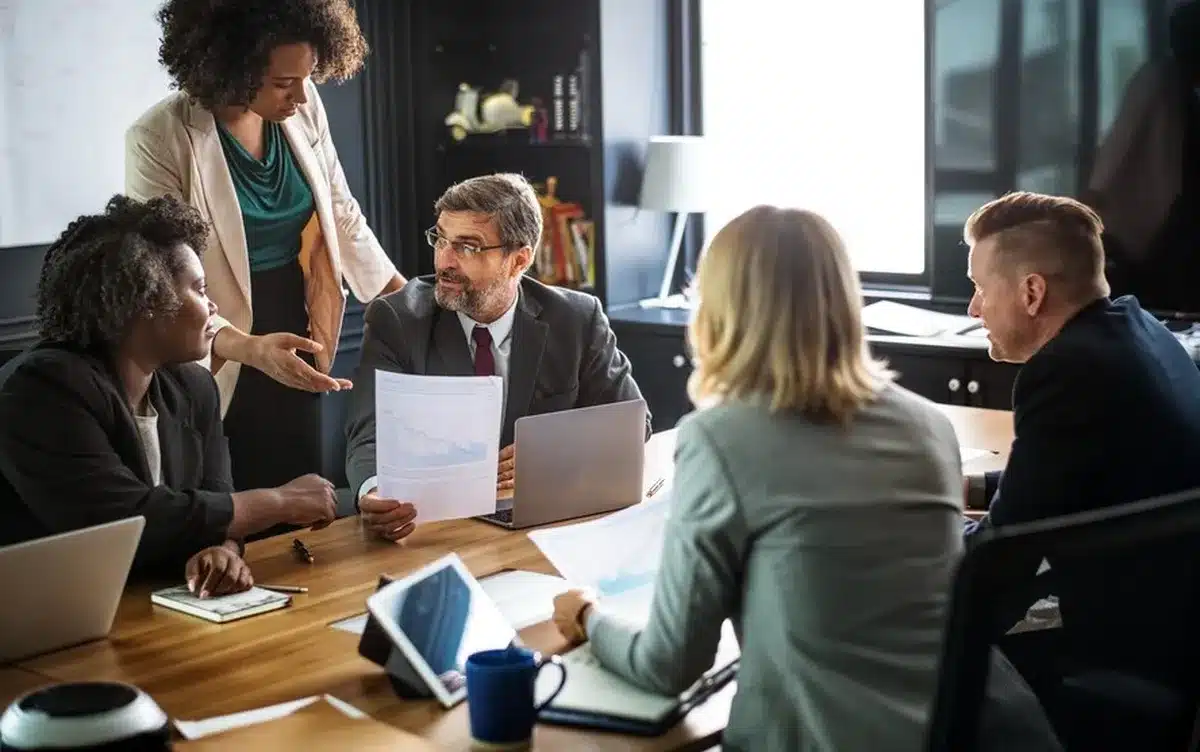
pixel 354 625
pixel 967 454
pixel 524 598
pixel 221 723
pixel 437 442
pixel 897 318
pixel 617 556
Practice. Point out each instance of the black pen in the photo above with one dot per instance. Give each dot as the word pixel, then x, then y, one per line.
pixel 302 550
pixel 655 486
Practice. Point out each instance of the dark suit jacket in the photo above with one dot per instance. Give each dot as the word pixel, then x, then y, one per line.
pixel 70 455
pixel 563 355
pixel 1108 412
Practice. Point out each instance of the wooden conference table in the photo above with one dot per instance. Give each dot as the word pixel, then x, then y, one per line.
pixel 195 669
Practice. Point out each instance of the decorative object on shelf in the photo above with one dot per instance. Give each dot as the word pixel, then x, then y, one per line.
pixel 566 255
pixel 677 179
pixel 497 112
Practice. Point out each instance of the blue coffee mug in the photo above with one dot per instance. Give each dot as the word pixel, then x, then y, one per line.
pixel 500 693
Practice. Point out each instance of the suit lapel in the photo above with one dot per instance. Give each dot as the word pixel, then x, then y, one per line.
pixel 449 355
pixel 217 187
pixel 524 360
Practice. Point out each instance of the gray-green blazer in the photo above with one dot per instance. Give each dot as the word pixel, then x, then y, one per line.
pixel 831 550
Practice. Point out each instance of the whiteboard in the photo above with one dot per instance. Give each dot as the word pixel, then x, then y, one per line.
pixel 74 75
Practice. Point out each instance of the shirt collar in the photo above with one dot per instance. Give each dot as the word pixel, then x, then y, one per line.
pixel 500 329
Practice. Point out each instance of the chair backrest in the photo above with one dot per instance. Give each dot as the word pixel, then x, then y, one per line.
pixel 985 573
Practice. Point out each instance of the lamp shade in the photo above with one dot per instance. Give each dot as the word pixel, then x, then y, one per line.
pixel 677 176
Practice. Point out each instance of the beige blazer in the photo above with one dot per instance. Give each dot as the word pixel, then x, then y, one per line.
pixel 174 148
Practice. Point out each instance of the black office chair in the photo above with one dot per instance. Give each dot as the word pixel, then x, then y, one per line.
pixel 1108 706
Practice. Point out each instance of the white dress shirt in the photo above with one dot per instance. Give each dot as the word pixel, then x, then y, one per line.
pixel 501 331
pixel 147 426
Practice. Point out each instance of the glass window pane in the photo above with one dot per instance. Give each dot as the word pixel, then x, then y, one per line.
pixel 1048 134
pixel 966 50
pixel 1124 47
pixel 798 115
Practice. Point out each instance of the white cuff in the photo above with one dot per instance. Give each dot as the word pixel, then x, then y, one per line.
pixel 369 485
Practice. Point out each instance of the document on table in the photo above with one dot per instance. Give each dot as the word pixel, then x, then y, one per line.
pixel 524 598
pixel 617 556
pixel 437 442
pixel 968 454
pixel 217 724
pixel 898 318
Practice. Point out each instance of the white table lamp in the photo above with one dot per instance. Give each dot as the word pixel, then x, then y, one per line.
pixel 676 180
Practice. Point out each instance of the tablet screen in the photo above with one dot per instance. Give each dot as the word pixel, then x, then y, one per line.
pixel 445 616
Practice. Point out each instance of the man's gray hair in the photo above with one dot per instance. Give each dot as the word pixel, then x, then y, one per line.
pixel 507 198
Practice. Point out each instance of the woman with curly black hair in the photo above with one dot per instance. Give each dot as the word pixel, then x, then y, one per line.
pixel 246 141
pixel 109 417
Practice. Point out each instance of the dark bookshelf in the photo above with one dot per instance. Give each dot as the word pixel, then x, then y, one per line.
pixel 618 51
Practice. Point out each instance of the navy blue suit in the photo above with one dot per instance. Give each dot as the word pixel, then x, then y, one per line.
pixel 1108 412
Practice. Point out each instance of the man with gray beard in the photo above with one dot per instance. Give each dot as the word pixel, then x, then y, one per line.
pixel 479 315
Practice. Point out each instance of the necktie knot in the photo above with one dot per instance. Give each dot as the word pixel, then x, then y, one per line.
pixel 485 362
pixel 482 336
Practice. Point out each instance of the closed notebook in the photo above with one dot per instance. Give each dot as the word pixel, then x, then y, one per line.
pixel 221 608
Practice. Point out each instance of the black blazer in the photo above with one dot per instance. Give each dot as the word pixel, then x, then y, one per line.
pixel 1108 412
pixel 70 455
pixel 564 355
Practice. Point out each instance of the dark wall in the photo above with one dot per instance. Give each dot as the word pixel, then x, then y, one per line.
pixel 344 105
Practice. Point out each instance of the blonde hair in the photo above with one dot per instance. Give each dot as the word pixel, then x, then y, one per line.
pixel 1055 236
pixel 780 318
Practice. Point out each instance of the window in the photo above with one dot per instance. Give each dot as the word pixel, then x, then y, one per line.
pixel 1023 90
pixel 821 105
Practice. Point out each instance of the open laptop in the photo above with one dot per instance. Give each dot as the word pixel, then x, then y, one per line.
pixel 63 590
pixel 574 463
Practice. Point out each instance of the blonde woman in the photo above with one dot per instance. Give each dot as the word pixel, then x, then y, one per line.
pixel 816 505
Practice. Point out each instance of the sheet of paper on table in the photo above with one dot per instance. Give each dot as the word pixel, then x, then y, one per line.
pixel 218 724
pixel 617 556
pixel 436 442
pixel 524 598
pixel 969 454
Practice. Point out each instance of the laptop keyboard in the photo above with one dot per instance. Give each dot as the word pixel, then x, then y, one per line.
pixel 504 515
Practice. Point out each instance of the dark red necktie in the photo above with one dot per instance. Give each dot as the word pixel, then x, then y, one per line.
pixel 485 363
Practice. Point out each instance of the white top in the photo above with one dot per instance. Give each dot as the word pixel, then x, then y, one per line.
pixel 147 426
pixel 501 331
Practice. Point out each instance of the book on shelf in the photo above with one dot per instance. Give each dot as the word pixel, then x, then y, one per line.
pixel 566 254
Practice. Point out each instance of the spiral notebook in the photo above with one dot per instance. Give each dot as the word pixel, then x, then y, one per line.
pixel 221 608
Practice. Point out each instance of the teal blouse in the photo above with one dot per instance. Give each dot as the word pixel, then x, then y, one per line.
pixel 275 199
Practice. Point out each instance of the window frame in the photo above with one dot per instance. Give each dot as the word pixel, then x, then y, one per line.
pixel 943 279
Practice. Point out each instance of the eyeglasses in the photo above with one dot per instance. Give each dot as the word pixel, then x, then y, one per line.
pixel 467 249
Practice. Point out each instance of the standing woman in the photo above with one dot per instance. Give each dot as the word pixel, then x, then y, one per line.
pixel 246 141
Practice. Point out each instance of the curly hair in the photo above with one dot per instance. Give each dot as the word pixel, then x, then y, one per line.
pixel 108 270
pixel 217 51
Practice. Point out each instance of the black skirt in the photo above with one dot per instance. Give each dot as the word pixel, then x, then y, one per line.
pixel 274 431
